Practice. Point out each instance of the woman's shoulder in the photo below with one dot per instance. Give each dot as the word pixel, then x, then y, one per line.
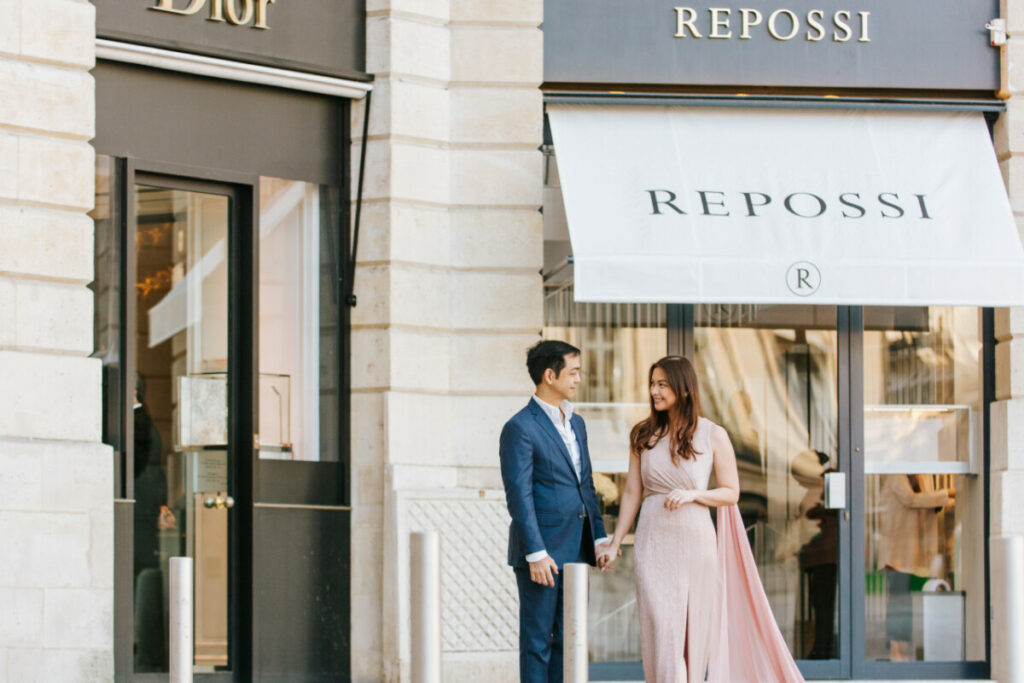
pixel 713 430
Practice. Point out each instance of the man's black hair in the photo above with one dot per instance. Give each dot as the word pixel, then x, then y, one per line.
pixel 548 354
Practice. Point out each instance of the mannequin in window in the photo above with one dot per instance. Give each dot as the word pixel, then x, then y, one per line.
pixel 910 547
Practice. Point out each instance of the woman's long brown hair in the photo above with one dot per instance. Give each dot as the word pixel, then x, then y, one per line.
pixel 679 421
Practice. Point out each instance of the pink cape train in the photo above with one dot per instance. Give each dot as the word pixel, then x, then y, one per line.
pixel 747 645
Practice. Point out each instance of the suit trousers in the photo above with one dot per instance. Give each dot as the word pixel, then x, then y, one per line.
pixel 540 620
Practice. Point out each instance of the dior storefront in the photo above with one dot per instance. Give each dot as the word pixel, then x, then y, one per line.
pixel 223 278
pixel 806 201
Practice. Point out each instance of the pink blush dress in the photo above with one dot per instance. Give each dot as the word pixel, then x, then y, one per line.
pixel 677 569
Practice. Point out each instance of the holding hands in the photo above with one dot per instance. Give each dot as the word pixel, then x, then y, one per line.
pixel 678 497
pixel 606 554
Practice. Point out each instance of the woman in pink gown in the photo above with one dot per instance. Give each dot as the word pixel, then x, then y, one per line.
pixel 703 611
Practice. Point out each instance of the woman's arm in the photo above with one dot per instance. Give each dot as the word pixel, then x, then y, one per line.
pixel 728 490
pixel 632 495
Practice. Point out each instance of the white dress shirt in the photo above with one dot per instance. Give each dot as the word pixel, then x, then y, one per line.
pixel 561 418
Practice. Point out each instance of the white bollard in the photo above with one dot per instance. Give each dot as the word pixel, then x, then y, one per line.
pixel 1007 562
pixel 180 606
pixel 575 663
pixel 425 596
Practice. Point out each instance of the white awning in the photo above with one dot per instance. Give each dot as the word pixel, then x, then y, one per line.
pixel 736 205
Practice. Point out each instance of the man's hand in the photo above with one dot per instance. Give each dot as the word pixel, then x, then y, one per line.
pixel 606 554
pixel 540 571
pixel 679 497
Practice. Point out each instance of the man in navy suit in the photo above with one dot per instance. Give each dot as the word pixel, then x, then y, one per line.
pixel 549 488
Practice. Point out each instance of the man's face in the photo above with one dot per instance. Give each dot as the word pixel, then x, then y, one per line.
pixel 565 383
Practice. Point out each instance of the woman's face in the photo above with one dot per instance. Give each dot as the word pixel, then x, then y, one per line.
pixel 662 394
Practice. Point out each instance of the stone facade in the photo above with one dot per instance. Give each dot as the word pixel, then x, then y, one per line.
pixel 56 478
pixel 448 285
pixel 1007 423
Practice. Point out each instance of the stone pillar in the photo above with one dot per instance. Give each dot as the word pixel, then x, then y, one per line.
pixel 448 285
pixel 56 478
pixel 1007 423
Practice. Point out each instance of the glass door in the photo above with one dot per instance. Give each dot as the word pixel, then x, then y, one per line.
pixel 923 492
pixel 771 377
pixel 180 353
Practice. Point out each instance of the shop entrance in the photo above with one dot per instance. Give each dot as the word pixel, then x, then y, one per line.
pixel 858 435
pixel 187 438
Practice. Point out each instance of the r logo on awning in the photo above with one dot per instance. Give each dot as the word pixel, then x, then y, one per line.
pixel 803 278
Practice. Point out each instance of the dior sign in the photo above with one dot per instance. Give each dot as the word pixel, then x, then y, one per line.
pixel 234 12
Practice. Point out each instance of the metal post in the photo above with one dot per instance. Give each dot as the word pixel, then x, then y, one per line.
pixel 1007 558
pixel 425 594
pixel 574 623
pixel 180 603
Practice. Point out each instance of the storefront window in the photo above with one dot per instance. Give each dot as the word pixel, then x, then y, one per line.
pixel 619 343
pixel 768 376
pixel 298 321
pixel 923 489
pixel 106 289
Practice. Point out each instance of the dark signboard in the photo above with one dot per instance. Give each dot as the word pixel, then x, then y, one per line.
pixel 319 36
pixel 904 44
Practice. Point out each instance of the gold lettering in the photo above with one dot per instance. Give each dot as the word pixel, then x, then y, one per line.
pixel 718 22
pixel 792 18
pixel 748 18
pixel 841 25
pixel 812 20
pixel 216 11
pixel 261 14
pixel 684 20
pixel 864 27
pixel 168 6
pixel 232 10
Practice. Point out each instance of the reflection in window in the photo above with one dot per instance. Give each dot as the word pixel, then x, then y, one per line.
pixel 298 321
pixel 768 376
pixel 922 442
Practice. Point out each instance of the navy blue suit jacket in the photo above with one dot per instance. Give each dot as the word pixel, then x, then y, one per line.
pixel 547 503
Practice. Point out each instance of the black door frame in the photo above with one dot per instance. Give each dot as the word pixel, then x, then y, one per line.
pixel 243 408
pixel 852 663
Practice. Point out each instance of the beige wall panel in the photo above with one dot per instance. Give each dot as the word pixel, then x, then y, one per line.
pixel 53 317
pixel 489 238
pixel 46 99
pixel 420 297
pixel 58 31
pixel 526 12
pixel 371 359
pixel 497 301
pixel 74 618
pixel 499 116
pixel 434 9
pixel 21 620
pixel 420 234
pixel 57 173
pixel 39 388
pixel 484 54
pixel 497 177
pixel 56 245
pixel 419 429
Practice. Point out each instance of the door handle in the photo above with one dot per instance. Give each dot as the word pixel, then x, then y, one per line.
pixel 219 502
pixel 835 490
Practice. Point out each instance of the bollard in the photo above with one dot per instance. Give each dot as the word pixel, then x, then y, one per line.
pixel 1007 562
pixel 180 605
pixel 425 595
pixel 574 623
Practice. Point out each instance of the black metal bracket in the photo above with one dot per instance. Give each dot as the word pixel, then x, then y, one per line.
pixel 350 298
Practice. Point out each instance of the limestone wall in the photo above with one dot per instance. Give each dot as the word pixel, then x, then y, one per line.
pixel 56 502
